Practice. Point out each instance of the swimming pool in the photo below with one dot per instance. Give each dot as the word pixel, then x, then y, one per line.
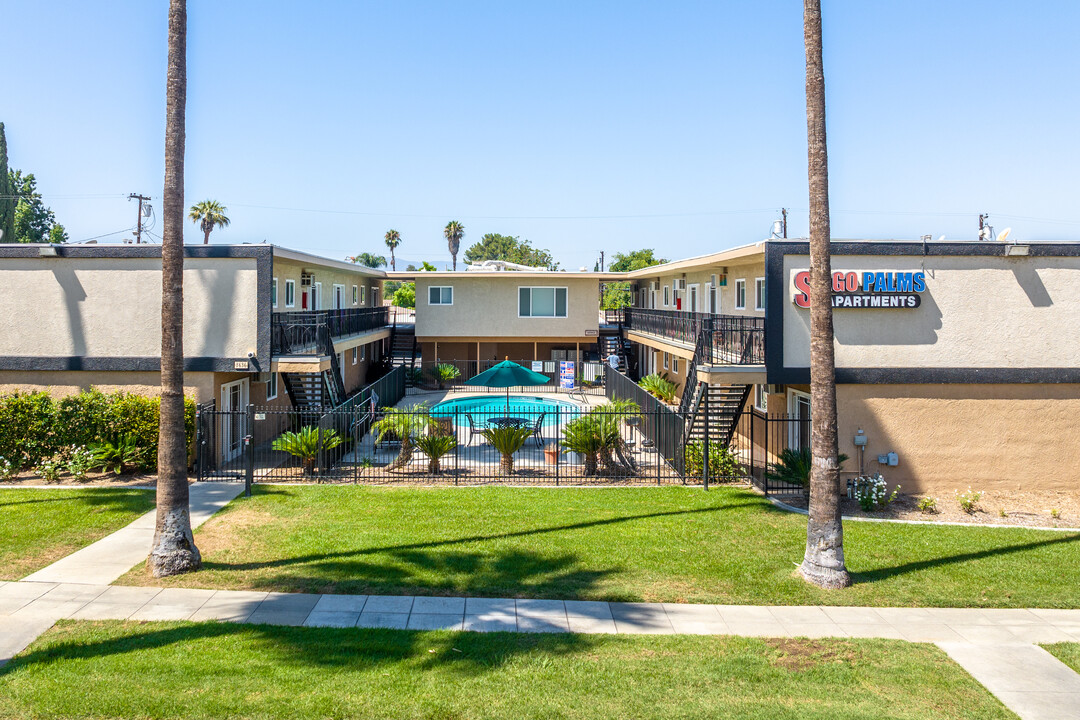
pixel 488 406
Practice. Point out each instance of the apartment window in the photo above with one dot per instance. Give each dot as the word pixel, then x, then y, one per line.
pixel 355 294
pixel 675 364
pixel 363 295
pixel 290 293
pixel 354 356
pixel 542 302
pixel 665 361
pixel 363 352
pixel 667 296
pixel 374 296
pixel 271 387
pixel 761 398
pixel 440 295
pixel 759 294
pixel 273 293
pixel 740 294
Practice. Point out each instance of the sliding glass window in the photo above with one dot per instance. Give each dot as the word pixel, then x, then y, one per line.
pixel 542 302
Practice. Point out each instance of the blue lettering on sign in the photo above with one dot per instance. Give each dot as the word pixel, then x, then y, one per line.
pixel 867 281
pixel 918 282
pixel 903 282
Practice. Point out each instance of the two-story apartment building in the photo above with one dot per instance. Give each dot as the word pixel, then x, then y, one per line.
pixel 262 324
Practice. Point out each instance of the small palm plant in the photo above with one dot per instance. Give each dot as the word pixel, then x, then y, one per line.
pixel 444 373
pixel 118 453
pixel 659 387
pixel 507 440
pixel 305 445
pixel 403 425
pixel 585 436
pixel 793 466
pixel 435 446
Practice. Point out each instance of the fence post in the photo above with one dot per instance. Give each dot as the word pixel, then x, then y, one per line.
pixel 558 428
pixel 705 445
pixel 249 450
pixel 457 448
pixel 321 457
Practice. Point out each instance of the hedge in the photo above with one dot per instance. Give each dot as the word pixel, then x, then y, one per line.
pixel 35 426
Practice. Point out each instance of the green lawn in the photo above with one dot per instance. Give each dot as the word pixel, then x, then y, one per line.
pixel 38 527
pixel 1068 653
pixel 652 544
pixel 216 670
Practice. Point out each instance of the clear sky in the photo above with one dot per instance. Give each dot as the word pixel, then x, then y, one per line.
pixel 582 126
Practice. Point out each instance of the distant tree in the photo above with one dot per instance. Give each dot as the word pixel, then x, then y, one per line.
pixel 425 266
pixel 393 239
pixel 634 260
pixel 617 294
pixel 7 194
pixel 510 249
pixel 367 259
pixel 454 231
pixel 209 214
pixel 405 296
pixel 33 221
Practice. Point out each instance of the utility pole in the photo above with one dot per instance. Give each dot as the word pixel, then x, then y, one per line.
pixel 138 222
pixel 601 261
pixel 783 222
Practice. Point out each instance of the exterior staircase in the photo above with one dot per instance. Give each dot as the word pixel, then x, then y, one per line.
pixel 612 344
pixel 316 390
pixel 718 408
pixel 403 347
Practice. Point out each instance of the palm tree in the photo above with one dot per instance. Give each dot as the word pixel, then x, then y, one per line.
pixel 454 231
pixel 823 562
pixel 393 239
pixel 209 214
pixel 173 551
pixel 367 259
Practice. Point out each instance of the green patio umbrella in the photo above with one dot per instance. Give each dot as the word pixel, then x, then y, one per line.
pixel 508 374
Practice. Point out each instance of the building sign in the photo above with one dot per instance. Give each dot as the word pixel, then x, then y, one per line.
pixel 538 366
pixel 869 290
pixel 566 374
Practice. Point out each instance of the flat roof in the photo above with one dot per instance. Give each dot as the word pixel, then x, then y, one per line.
pixel 303 257
pixel 548 274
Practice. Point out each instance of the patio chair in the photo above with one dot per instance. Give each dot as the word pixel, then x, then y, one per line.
pixel 538 430
pixel 474 429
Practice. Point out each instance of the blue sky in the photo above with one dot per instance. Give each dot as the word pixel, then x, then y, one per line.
pixel 582 126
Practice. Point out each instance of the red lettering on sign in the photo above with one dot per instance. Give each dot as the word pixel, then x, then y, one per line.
pixel 802 284
pixel 838 282
pixel 852 282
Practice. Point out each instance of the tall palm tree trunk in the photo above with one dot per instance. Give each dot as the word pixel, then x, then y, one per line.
pixel 823 562
pixel 206 228
pixel 174 548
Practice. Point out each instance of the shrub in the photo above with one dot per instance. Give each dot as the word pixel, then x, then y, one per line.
pixel 872 492
pixel 444 373
pixel 435 446
pixel 969 501
pixel 793 466
pixel 722 463
pixel 306 445
pixel 50 468
pixel 585 436
pixel 8 469
pixel 118 453
pixel 928 505
pixel 507 441
pixel 27 422
pixel 659 387
pixel 79 462
pixel 1055 513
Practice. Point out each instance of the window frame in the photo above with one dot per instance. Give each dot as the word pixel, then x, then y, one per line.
pixel 290 293
pixel 440 288
pixel 740 294
pixel 666 361
pixel 761 399
pixel 759 293
pixel 555 302
pixel 354 354
pixel 667 295
pixel 274 294
pixel 355 295
pixel 272 382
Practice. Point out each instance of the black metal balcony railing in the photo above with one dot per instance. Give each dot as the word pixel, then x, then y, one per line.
pixel 304 333
pixel 728 339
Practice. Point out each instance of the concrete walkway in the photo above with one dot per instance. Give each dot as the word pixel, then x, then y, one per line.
pixel 998 647
pixel 106 560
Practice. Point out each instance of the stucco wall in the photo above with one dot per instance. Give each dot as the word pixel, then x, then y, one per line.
pixel 197 385
pixel 701 276
pixel 991 437
pixel 288 269
pixel 488 307
pixel 111 307
pixel 986 311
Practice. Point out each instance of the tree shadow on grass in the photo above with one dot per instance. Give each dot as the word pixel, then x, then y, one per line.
pixel 117 500
pixel 870 576
pixel 355 649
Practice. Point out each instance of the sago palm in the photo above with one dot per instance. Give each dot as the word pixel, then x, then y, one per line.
pixel 403 425
pixel 507 440
pixel 306 446
pixel 659 387
pixel 209 214
pixel 435 446
pixel 585 436
pixel 454 231
pixel 393 239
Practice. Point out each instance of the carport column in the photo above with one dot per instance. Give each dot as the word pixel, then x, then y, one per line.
pixel 536 353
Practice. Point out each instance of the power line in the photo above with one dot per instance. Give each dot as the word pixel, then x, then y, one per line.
pixel 117 232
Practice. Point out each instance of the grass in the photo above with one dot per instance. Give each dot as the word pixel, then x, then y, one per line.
pixel 214 670
pixel 38 527
pixel 640 544
pixel 1068 653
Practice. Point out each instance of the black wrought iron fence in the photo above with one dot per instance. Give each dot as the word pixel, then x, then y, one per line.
pixel 661 425
pixel 305 332
pixel 452 374
pixel 477 440
pixel 759 441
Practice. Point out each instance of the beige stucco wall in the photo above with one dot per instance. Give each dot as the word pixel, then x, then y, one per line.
pixel 748 270
pixel 976 312
pixel 949 437
pixel 488 307
pixel 201 386
pixel 111 307
pixel 288 269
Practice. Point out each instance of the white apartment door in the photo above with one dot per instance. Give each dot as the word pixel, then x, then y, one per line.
pixel 316 296
pixel 693 299
pixel 234 402
pixel 712 299
pixel 799 408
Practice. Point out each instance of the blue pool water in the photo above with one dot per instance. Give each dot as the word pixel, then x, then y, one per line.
pixel 487 406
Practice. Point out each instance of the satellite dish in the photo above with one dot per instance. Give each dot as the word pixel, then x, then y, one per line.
pixel 1004 234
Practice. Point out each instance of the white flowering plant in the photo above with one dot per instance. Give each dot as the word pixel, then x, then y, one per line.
pixel 969 501
pixel 872 492
pixel 80 461
pixel 8 469
pixel 50 468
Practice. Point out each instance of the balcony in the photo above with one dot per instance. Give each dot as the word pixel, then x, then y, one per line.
pixel 726 339
pixel 308 333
